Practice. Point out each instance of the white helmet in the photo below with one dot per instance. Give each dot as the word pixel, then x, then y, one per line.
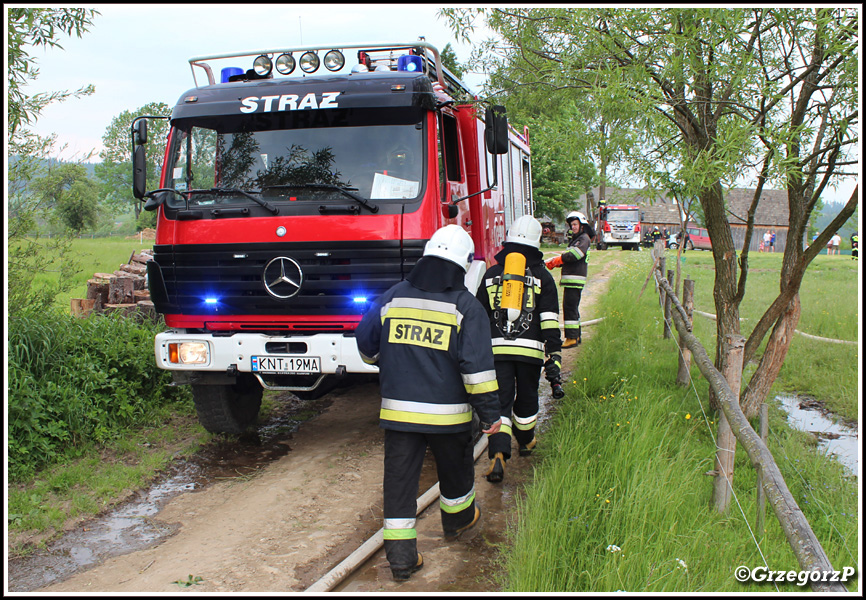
pixel 525 230
pixel 576 215
pixel 452 243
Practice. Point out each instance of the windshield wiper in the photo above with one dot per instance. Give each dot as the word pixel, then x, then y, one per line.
pixel 327 186
pixel 255 199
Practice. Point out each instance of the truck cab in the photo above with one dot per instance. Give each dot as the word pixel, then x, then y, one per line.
pixel 289 200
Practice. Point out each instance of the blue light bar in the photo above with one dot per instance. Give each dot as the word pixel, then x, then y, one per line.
pixel 228 72
pixel 359 299
pixel 410 62
pixel 211 300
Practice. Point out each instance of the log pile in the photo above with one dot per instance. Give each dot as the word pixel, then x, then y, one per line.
pixel 124 291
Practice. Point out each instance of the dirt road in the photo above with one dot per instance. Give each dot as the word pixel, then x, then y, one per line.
pixel 284 528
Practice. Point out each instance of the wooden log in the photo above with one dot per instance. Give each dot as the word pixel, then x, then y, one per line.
pixel 134 268
pixel 127 309
pixel 104 277
pixel 142 257
pixel 684 370
pixel 138 281
pixel 97 290
pixel 81 307
pixel 120 290
pixel 139 295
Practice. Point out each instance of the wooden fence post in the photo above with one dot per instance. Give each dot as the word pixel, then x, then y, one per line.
pixel 726 441
pixel 667 329
pixel 761 500
pixel 684 375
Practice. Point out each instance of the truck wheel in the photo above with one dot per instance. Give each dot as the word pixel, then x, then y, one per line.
pixel 228 408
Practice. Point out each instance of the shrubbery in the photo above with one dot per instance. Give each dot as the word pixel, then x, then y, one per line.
pixel 76 381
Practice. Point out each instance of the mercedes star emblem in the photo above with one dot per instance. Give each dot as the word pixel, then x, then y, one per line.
pixel 282 277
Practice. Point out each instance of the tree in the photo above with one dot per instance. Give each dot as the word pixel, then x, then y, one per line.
pixel 115 171
pixel 449 61
pixel 68 191
pixel 26 256
pixel 769 93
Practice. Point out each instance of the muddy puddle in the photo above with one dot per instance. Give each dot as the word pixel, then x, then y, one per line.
pixel 834 437
pixel 131 527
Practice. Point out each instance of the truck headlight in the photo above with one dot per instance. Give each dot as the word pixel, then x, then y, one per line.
pixel 188 353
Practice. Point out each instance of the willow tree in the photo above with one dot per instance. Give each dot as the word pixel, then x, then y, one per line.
pixel 718 95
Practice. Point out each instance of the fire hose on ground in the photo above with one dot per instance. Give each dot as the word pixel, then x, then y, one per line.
pixel 336 575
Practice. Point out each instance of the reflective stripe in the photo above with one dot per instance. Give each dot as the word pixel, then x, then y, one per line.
pixel 518 351
pixel 479 383
pixel 535 344
pixel 455 505
pixel 399 534
pixel 572 323
pixel 369 360
pixel 550 324
pixel 572 279
pixel 419 308
pixel 425 413
pixel 549 316
pixel 399 523
pixel 525 423
pixel 577 252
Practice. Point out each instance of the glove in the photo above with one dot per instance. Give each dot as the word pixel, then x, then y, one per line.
pixel 552 374
pixel 554 262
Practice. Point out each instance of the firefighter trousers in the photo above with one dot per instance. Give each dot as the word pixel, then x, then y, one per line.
pixel 571 312
pixel 404 457
pixel 518 397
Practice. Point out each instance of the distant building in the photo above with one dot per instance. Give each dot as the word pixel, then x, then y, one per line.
pixel 659 210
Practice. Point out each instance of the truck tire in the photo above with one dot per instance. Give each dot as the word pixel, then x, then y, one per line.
pixel 230 408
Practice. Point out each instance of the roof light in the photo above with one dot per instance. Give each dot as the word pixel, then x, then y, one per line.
pixel 263 66
pixel 334 60
pixel 409 62
pixel 285 64
pixel 230 72
pixel 309 62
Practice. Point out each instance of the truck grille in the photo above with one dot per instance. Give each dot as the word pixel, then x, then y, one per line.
pixel 226 279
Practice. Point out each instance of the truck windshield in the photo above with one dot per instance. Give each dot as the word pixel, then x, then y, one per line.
pixel 372 155
pixel 631 216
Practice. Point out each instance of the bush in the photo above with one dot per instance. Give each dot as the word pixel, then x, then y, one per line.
pixel 73 382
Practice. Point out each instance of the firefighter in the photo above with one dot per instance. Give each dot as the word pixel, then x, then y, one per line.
pixel 520 297
pixel 656 235
pixel 602 208
pixel 573 278
pixel 855 251
pixel 430 338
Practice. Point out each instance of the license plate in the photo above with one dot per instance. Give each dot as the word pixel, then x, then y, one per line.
pixel 287 365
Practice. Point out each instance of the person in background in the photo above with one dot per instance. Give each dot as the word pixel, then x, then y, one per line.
pixel 573 278
pixel 431 340
pixel 772 240
pixel 836 241
pixel 766 241
pixel 855 252
pixel 521 341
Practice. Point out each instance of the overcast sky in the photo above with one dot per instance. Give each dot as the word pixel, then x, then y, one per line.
pixel 138 53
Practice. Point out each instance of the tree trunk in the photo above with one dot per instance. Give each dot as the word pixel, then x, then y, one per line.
pixel 772 360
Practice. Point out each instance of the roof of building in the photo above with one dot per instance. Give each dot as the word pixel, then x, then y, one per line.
pixel 772 209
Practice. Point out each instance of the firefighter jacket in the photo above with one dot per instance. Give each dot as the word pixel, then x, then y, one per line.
pixel 574 261
pixel 430 338
pixel 537 329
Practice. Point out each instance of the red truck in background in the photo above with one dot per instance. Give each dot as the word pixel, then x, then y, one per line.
pixel 619 225
pixel 290 199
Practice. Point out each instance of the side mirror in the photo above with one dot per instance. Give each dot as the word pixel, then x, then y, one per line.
pixel 496 130
pixel 139 132
pixel 139 172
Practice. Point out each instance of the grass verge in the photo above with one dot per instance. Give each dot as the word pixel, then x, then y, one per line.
pixel 621 502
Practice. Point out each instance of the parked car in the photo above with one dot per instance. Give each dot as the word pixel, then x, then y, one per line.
pixel 698 239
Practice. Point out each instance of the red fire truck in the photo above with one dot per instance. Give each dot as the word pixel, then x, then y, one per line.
pixel 290 199
pixel 619 225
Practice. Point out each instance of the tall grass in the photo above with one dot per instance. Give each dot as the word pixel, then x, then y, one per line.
pixel 620 500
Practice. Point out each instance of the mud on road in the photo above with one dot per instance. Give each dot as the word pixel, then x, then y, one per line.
pixel 304 500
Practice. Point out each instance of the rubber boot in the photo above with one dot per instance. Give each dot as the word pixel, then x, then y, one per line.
pixel 404 574
pixel 527 449
pixel 453 535
pixel 569 343
pixel 496 473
